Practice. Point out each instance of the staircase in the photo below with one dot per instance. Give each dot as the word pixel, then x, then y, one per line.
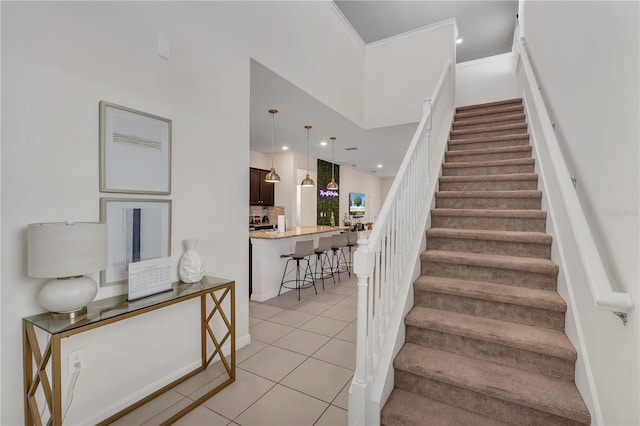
pixel 485 342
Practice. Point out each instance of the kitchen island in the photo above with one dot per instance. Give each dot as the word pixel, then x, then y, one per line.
pixel 267 247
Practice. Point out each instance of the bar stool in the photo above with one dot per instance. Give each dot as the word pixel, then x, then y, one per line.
pixel 337 244
pixel 322 259
pixel 352 241
pixel 303 250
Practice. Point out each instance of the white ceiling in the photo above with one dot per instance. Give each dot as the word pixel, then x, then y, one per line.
pixel 486 27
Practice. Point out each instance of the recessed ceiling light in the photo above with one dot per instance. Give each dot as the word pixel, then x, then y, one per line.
pixel 373 171
pixel 284 148
pixel 459 40
pixel 353 148
pixel 379 166
pixel 354 165
pixel 323 143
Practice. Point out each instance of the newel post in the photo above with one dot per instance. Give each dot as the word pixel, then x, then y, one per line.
pixel 362 267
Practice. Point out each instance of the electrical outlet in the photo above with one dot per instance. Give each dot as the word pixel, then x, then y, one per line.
pixel 73 358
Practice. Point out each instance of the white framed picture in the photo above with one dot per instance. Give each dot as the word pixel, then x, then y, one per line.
pixel 137 230
pixel 135 151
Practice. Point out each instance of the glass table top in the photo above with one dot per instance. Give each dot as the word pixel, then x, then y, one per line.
pixel 101 310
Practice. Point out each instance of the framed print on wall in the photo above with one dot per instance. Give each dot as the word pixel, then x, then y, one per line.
pixel 135 151
pixel 137 229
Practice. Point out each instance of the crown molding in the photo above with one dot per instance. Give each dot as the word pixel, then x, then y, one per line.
pixel 347 24
pixel 425 29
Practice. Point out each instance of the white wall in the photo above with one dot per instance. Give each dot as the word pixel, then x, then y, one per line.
pixel 385 188
pixel 403 71
pixel 59 60
pixel 586 56
pixel 487 79
pixel 259 160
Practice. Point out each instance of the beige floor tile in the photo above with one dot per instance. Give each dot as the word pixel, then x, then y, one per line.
pixel 318 379
pixel 340 313
pixel 302 341
pixel 342 400
pixel 268 331
pixel 342 290
pixel 263 311
pixel 350 302
pixel 329 298
pixel 282 302
pixel 254 321
pixel 305 293
pixel 249 350
pixel 325 326
pixel 311 307
pixel 283 406
pixel 272 363
pixel 291 318
pixel 348 334
pixel 200 392
pixel 167 413
pixel 150 409
pixel 238 396
pixel 334 416
pixel 201 379
pixel 203 416
pixel 338 352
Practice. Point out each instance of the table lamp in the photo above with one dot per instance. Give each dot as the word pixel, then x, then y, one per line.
pixel 65 252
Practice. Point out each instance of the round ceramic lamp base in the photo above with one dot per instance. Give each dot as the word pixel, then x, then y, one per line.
pixel 68 296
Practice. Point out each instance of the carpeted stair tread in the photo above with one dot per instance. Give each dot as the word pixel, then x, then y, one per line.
pixel 489 139
pixel 490 128
pixel 522 214
pixel 535 339
pixel 407 408
pixel 489 178
pixel 496 111
pixel 490 194
pixel 546 394
pixel 512 101
pixel 516 263
pixel 481 120
pixel 481 234
pixel 521 148
pixel 523 296
pixel 510 162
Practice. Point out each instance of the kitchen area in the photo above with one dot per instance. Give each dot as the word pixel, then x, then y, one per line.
pixel 271 237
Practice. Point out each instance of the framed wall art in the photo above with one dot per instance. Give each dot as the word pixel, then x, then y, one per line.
pixel 137 230
pixel 135 151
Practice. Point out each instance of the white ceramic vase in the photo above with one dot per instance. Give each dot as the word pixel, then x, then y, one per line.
pixel 191 269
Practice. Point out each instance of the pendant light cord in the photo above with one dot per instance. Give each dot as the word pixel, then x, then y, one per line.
pixel 273 126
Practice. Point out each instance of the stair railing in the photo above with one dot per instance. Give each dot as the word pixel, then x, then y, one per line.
pixel 602 291
pixel 385 263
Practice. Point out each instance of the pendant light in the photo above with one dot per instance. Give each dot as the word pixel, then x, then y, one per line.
pixel 272 176
pixel 333 184
pixel 307 182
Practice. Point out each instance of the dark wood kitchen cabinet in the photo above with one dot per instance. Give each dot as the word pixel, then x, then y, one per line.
pixel 261 193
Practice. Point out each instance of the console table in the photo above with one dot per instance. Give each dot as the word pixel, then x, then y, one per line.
pixel 114 309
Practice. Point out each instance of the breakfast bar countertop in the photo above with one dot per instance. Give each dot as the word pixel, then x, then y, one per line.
pixel 295 232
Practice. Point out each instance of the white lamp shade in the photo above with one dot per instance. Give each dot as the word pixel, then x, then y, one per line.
pixel 66 249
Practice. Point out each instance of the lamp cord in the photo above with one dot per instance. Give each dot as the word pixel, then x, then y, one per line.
pixel 72 387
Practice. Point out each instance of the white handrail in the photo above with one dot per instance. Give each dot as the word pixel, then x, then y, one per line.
pixel 384 263
pixel 602 291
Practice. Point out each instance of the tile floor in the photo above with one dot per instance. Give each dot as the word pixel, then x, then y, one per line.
pixel 296 371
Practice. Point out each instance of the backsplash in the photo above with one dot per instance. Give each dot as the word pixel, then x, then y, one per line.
pixel 271 212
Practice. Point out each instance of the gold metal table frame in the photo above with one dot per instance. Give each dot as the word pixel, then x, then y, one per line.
pixel 114 309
